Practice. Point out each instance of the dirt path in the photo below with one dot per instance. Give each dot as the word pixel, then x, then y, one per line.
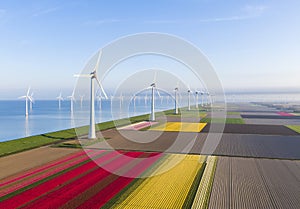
pixel 12 164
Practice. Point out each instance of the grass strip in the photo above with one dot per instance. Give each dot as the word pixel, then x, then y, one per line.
pixel 223 120
pixel 31 142
pixel 294 128
pixel 233 113
pixel 202 196
pixel 80 144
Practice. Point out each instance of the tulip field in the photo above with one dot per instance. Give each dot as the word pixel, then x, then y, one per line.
pixel 180 126
pixel 76 181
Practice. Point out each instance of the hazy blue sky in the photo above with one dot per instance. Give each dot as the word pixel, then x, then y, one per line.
pixel 252 44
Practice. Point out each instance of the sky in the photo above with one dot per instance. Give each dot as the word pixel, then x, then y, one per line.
pixel 254 45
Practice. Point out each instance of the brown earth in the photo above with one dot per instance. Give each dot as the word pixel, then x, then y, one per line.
pixel 20 162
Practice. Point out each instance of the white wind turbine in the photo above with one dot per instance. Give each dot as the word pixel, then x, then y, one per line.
pixel 176 100
pixel 189 98
pixel 72 100
pixel 202 99
pixel 153 89
pixel 81 100
pixel 146 99
pixel 134 98
pixel 93 76
pixel 196 99
pixel 31 101
pixel 59 98
pixel 121 100
pixel 27 97
pixel 111 101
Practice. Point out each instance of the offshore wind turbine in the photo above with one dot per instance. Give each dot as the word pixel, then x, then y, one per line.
pixel 27 98
pixel 59 98
pixel 196 99
pixel 153 89
pixel 93 76
pixel 134 98
pixel 176 100
pixel 202 95
pixel 81 100
pixel 72 99
pixel 189 98
pixel 31 101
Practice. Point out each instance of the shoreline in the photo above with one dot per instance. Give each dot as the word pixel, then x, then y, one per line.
pixel 31 142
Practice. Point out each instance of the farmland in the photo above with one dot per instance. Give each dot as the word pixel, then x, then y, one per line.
pixel 162 165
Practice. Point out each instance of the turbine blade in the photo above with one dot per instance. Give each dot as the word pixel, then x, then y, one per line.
pixel 155 75
pixel 98 60
pixel 82 75
pixel 21 97
pixel 28 91
pixel 30 99
pixel 101 87
pixel 157 92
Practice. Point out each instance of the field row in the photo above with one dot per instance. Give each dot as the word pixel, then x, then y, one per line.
pixel 255 183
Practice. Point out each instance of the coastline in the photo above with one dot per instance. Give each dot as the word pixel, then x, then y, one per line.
pixel 27 143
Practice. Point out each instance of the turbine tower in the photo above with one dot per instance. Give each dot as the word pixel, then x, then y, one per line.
pixel 176 100
pixel 27 97
pixel 81 100
pixel 93 76
pixel 202 95
pixel 59 98
pixel 189 99
pixel 153 89
pixel 196 100
pixel 152 115
pixel 134 98
pixel 72 99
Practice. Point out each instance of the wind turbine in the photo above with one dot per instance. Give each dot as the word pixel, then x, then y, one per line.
pixel 81 100
pixel 189 98
pixel 31 101
pixel 153 89
pixel 196 99
pixel 111 101
pixel 176 100
pixel 202 95
pixel 121 100
pixel 134 98
pixel 59 98
pixel 27 97
pixel 99 97
pixel 93 76
pixel 146 99
pixel 72 99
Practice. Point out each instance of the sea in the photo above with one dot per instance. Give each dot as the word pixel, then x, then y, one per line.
pixel 46 116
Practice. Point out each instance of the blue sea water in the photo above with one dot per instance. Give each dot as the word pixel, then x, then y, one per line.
pixel 45 116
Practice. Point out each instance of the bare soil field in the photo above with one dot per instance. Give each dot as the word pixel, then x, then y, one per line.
pixel 241 183
pixel 13 164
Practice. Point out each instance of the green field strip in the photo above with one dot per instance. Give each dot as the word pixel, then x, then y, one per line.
pixel 233 113
pixel 31 142
pixel 202 196
pixel 223 120
pixel 294 128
